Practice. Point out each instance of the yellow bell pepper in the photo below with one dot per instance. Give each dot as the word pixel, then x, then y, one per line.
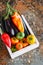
pixel 31 39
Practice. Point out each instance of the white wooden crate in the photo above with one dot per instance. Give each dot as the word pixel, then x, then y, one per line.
pixel 26 49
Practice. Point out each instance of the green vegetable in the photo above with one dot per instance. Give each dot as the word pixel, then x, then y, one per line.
pixel 20 35
pixel 13 49
pixel 9 10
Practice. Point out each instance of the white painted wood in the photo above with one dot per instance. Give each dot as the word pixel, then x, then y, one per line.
pixel 26 49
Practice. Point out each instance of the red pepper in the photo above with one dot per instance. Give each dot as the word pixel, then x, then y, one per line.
pixel 6 39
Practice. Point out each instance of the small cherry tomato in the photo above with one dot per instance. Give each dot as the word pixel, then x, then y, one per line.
pixel 24 40
pixel 25 44
pixel 14 40
pixel 19 46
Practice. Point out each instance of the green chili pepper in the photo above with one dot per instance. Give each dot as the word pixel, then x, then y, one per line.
pixel 13 49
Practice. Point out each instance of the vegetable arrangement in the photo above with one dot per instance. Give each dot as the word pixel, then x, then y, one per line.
pixel 15 35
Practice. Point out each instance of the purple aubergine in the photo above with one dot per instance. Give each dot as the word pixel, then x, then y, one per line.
pixel 9 29
pixel 26 31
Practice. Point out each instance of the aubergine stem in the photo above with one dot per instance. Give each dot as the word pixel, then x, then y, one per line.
pixel 12 10
pixel 9 10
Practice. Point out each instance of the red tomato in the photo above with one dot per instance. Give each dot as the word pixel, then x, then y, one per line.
pixel 19 46
pixel 25 44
